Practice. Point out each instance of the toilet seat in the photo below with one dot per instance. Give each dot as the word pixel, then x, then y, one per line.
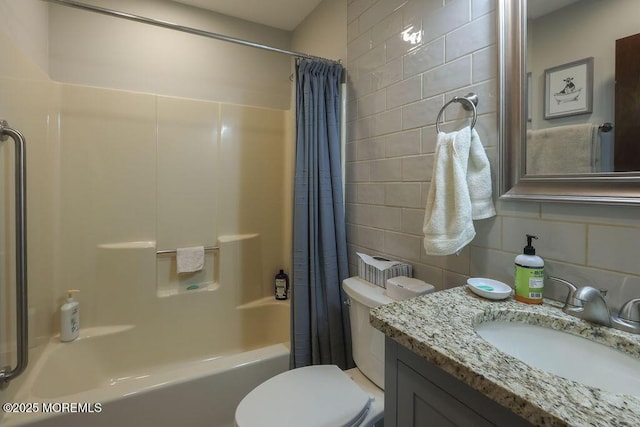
pixel 313 396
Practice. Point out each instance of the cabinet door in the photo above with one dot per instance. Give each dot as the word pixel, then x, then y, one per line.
pixel 422 403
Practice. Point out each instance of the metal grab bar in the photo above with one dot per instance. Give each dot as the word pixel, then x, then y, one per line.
pixel 22 326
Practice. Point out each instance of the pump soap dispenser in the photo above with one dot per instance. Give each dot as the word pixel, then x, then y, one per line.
pixel 529 276
pixel 70 318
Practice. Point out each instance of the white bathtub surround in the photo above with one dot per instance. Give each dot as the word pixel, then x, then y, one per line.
pixel 142 379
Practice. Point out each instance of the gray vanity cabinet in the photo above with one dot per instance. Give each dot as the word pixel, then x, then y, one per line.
pixel 419 394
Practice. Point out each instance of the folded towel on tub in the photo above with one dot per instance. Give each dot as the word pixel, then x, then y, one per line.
pixel 190 259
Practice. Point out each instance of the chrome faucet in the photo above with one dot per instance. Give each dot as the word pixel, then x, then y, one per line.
pixel 628 319
pixel 586 303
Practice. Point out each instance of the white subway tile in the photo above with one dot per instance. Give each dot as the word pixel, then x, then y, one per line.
pixel 403 144
pixel 491 263
pixel 621 287
pixel 485 64
pixel 403 246
pixel 360 86
pixel 399 44
pixel 412 221
pixel 388 74
pixel 476 35
pixel 596 214
pixel 458 263
pixel 373 103
pixel 372 238
pixel 405 92
pixel 387 122
pixel 447 77
pixel 350 151
pixel 482 7
pixel 386 170
pixel 356 8
pixel 518 209
pixel 430 274
pixel 444 20
pixel 370 149
pixel 378 12
pixel 424 58
pixel 414 10
pixel 403 194
pixel 556 240
pixel 429 139
pixel 371 60
pixel 386 28
pixel 360 129
pixel 488 233
pixel 487 128
pixel 614 248
pixel 384 217
pixel 353 31
pixel 350 192
pixel 359 46
pixel 417 168
pixel 453 280
pixel 421 113
pixel 358 171
pixel 372 194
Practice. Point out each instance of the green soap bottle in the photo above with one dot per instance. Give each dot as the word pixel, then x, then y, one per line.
pixel 529 276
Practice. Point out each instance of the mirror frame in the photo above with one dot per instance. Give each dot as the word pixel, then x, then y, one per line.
pixel 604 188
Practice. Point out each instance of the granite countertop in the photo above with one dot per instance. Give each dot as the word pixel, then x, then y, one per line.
pixel 440 328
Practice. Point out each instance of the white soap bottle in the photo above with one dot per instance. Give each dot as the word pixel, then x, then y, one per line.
pixel 70 318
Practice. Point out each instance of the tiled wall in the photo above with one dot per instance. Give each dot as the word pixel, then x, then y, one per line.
pixel 405 60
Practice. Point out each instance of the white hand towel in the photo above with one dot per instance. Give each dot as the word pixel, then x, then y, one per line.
pixel 190 260
pixel 448 225
pixel 479 180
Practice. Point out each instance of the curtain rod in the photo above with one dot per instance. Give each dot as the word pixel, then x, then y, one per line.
pixel 177 27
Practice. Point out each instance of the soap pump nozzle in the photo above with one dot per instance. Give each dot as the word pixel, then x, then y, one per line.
pixel 70 293
pixel 529 249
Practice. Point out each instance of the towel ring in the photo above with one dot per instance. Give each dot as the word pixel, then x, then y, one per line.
pixel 468 102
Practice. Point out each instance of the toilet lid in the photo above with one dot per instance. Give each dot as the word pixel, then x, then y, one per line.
pixel 313 396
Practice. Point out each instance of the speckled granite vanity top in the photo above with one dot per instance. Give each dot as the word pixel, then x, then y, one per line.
pixel 440 328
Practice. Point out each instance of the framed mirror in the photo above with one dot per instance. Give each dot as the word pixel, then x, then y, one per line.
pixel 569 105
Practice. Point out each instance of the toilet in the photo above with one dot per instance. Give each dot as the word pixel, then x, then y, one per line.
pixel 324 395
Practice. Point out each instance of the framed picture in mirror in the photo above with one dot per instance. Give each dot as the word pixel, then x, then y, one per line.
pixel 568 89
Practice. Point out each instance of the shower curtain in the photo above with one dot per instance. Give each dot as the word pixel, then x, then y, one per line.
pixel 320 320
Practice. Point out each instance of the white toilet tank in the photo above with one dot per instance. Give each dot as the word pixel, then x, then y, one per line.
pixel 367 342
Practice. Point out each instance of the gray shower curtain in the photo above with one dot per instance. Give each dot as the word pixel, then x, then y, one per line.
pixel 320 320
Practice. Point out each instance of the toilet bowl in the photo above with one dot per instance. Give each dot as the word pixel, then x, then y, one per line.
pixel 324 395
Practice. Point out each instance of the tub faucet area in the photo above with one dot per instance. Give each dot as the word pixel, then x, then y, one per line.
pixel 588 303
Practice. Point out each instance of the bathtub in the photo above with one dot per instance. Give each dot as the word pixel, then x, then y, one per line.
pixel 121 376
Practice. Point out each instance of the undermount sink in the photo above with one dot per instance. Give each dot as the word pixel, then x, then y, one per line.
pixel 566 355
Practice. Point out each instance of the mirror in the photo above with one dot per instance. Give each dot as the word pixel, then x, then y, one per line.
pixel 564 100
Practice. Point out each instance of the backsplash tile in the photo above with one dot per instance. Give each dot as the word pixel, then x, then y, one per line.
pixel 556 240
pixel 626 242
